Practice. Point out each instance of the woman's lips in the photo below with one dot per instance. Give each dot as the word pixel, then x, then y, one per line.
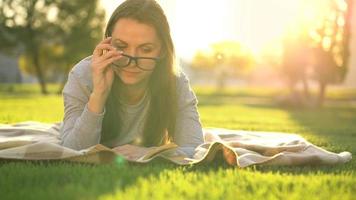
pixel 131 73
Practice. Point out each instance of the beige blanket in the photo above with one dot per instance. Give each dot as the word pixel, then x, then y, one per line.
pixel 40 141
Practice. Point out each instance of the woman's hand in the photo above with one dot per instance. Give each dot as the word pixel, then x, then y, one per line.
pixel 132 152
pixel 103 75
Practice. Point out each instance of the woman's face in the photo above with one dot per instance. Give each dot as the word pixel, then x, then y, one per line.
pixel 138 40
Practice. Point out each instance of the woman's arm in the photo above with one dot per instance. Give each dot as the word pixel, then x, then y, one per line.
pixel 84 107
pixel 189 133
pixel 81 127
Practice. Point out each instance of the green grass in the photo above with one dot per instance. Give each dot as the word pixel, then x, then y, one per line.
pixel 332 127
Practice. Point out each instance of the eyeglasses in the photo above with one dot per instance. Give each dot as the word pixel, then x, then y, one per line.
pixel 144 63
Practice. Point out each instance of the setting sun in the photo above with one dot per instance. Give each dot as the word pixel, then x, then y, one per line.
pixel 196 24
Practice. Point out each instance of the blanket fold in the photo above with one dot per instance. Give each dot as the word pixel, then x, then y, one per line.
pixel 40 141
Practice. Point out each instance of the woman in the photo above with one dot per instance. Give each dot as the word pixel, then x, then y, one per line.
pixel 128 93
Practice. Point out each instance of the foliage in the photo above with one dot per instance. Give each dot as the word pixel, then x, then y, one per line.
pixel 49 56
pixel 225 54
pixel 331 41
pixel 50 34
pixel 320 49
pixel 323 40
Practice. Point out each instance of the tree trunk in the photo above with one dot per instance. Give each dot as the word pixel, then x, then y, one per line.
pixel 39 72
pixel 306 88
pixel 221 80
pixel 65 77
pixel 61 86
pixel 322 91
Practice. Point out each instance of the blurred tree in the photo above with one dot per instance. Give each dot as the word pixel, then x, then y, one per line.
pixel 331 51
pixel 295 66
pixel 81 34
pixel 49 56
pixel 323 44
pixel 227 58
pixel 51 34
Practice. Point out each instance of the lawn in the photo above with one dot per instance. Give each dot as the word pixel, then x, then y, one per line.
pixel 332 127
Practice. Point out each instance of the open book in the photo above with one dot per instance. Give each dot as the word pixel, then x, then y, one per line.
pixel 100 153
pixel 204 153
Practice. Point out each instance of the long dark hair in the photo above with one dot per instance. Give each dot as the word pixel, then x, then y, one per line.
pixel 160 121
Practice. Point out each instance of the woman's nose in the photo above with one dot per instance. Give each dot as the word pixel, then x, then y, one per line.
pixel 132 64
pixel 131 52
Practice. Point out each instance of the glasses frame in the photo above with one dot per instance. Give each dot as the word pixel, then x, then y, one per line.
pixel 135 59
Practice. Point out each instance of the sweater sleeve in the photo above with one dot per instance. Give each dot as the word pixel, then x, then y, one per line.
pixel 189 133
pixel 80 128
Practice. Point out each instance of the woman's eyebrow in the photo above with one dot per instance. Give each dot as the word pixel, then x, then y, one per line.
pixel 147 44
pixel 121 41
pixel 144 44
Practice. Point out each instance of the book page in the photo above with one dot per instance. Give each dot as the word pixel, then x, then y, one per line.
pixel 142 154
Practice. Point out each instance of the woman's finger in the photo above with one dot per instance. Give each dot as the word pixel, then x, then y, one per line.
pixel 98 51
pixel 111 60
pixel 110 54
pixel 106 40
pixel 103 45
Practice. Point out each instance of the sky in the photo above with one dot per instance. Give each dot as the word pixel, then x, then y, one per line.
pixel 197 23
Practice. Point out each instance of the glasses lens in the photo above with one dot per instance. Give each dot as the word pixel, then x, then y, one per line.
pixel 145 63
pixel 122 62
